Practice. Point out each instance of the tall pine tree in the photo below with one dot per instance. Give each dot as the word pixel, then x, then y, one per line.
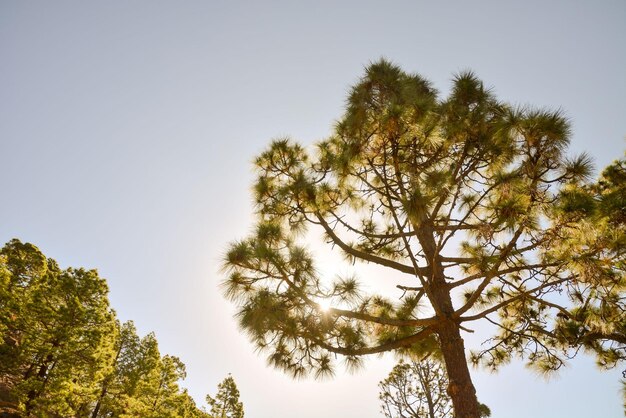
pixel 464 201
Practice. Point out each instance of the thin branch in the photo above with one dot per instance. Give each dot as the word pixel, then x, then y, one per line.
pixel 365 256
pixel 384 321
pixel 525 294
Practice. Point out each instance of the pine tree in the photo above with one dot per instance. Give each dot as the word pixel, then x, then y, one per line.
pixel 22 268
pixel 58 322
pixel 596 235
pixel 466 197
pixel 153 391
pixel 118 382
pixel 417 389
pixel 62 352
pixel 226 403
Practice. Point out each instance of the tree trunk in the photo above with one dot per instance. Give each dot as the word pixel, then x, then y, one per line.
pixel 96 409
pixel 41 375
pixel 461 389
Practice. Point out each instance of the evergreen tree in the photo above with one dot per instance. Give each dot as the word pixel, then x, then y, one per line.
pixel 417 389
pixel 142 392
pixel 142 383
pixel 186 407
pixel 63 354
pixel 165 392
pixel 596 235
pixel 118 383
pixel 466 197
pixel 58 322
pixel 22 269
pixel 154 390
pixel 226 403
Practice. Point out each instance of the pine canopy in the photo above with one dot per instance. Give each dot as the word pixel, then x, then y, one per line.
pixel 473 199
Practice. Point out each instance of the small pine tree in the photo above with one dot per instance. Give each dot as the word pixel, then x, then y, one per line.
pixel 418 389
pixel 226 403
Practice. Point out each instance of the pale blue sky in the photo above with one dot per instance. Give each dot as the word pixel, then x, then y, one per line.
pixel 127 129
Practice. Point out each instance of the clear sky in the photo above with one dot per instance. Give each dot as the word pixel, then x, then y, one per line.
pixel 127 131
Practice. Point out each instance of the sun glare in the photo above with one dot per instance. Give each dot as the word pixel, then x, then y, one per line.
pixel 323 304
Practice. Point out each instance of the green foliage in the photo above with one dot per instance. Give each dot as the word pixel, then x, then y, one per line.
pixel 63 353
pixel 473 199
pixel 226 403
pixel 597 237
pixel 57 325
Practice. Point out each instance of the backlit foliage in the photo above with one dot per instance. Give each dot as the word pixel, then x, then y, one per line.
pixel 472 198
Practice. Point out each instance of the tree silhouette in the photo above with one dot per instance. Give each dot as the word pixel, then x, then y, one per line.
pixel 415 390
pixel 418 389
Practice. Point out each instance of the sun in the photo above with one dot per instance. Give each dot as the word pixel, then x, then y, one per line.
pixel 323 305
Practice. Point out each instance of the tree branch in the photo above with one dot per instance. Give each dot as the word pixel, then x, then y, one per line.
pixel 392 345
pixel 365 256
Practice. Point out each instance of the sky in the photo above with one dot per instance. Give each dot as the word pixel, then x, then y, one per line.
pixel 128 129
